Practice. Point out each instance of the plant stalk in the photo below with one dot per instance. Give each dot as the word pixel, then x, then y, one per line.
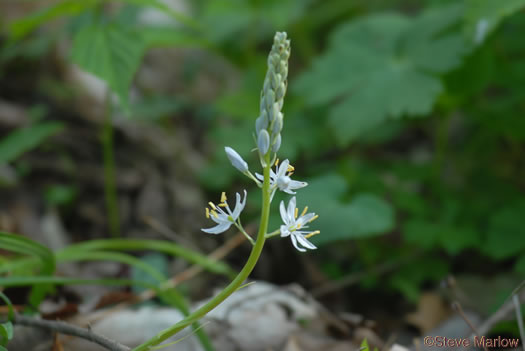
pixel 236 283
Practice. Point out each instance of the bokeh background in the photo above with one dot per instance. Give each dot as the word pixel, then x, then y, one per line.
pixel 405 117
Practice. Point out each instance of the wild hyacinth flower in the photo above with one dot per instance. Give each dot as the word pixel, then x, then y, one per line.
pixel 280 179
pixel 224 219
pixel 268 138
pixel 270 120
pixel 294 225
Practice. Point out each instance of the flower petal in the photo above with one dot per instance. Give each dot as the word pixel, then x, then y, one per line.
pixel 239 206
pixel 294 242
pixel 304 242
pixel 220 228
pixel 284 214
pixel 291 209
pixel 294 184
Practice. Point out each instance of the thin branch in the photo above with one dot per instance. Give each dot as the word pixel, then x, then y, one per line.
pixel 519 318
pixel 502 313
pixel 457 307
pixel 69 329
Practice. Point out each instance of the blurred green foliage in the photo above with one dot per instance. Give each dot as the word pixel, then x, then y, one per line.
pixel 406 117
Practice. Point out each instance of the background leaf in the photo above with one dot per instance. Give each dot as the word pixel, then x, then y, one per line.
pixel 25 139
pixel 391 63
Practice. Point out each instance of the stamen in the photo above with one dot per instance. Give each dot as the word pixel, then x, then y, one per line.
pixel 223 204
pixel 207 212
pixel 223 197
pixel 312 234
pixel 214 214
pixel 313 218
pixel 212 205
pixel 290 168
pixel 276 162
pixel 304 211
pixel 296 210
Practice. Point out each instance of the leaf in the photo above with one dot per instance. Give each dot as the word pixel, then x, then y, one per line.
pixel 27 24
pixel 506 231
pixel 25 139
pixel 144 244
pixel 484 16
pixel 182 18
pixel 365 215
pixel 111 52
pixel 428 234
pixel 6 331
pixel 391 63
pixel 19 244
pixel 520 265
pixel 11 311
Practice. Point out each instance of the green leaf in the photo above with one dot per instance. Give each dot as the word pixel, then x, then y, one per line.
pixel 2 348
pixel 506 231
pixel 6 332
pixel 520 265
pixel 484 16
pixel 17 243
pixel 144 244
pixel 24 139
pixel 10 309
pixel 391 63
pixel 182 18
pixel 111 52
pixel 41 280
pixel 365 215
pixel 27 24
pixel 364 346
pixel 428 234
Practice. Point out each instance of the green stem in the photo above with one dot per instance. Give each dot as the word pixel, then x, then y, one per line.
pixel 235 284
pixel 274 233
pixel 110 189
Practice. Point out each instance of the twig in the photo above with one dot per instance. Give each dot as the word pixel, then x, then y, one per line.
pixel 69 329
pixel 457 307
pixel 519 318
pixel 503 312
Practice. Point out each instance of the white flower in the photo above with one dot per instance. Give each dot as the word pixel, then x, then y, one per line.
pixel 224 219
pixel 294 224
pixel 281 179
pixel 236 159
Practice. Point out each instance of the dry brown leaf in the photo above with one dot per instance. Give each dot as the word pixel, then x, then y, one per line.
pixel 431 311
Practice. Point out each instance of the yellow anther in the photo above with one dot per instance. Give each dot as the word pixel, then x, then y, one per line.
pixel 223 197
pixel 214 214
pixel 212 205
pixel 313 218
pixel 296 211
pixel 276 162
pixel 290 168
pixel 207 212
pixel 304 211
pixel 223 204
pixel 312 234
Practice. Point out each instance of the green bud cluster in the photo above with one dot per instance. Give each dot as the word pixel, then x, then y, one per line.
pixel 269 124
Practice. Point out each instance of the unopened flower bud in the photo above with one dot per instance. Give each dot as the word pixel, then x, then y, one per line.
pixel 261 122
pixel 236 159
pixel 263 141
pixel 276 144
